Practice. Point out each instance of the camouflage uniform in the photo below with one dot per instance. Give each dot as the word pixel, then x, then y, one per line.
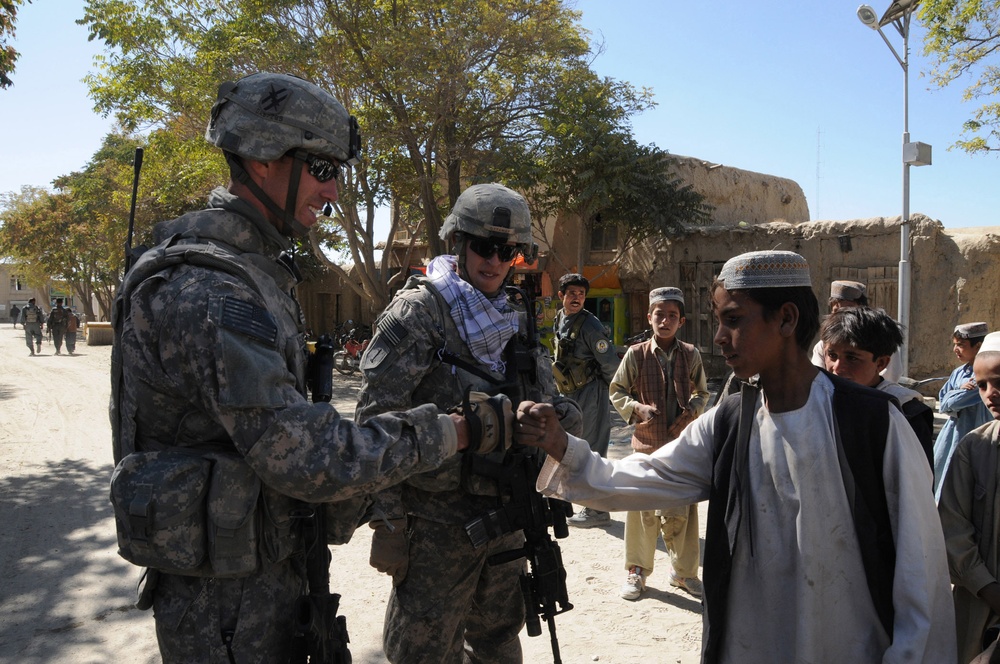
pixel 449 588
pixel 594 348
pixel 196 380
pixel 451 605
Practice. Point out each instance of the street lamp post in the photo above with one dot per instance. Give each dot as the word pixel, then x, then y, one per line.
pixel 914 154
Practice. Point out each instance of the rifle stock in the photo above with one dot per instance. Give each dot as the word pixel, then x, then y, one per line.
pixel 320 635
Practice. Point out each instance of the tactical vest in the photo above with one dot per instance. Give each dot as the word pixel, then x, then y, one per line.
pixel 32 315
pixel 181 510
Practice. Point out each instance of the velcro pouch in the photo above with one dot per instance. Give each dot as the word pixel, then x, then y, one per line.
pixel 159 505
pixel 561 374
pixel 232 510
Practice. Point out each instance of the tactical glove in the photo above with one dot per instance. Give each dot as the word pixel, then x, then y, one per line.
pixel 390 551
pixel 491 421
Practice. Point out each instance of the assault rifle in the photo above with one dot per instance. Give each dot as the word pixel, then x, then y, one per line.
pixel 320 635
pixel 521 507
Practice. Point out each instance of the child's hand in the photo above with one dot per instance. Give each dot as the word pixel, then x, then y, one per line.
pixel 971 385
pixel 644 412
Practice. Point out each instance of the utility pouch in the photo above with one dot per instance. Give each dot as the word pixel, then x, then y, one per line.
pixel 561 374
pixel 232 510
pixel 159 505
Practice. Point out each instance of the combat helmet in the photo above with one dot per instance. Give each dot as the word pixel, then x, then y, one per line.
pixel 265 116
pixel 494 212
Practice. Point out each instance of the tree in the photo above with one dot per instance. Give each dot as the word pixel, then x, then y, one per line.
pixel 962 37
pixel 8 54
pixel 589 164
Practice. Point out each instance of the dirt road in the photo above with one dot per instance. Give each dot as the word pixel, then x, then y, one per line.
pixel 66 596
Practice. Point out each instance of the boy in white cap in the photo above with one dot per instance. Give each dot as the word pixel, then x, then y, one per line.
pixel 822 542
pixel 959 399
pixel 660 386
pixel 968 512
pixel 846 294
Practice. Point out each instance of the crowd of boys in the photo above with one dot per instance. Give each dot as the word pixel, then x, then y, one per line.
pixel 824 542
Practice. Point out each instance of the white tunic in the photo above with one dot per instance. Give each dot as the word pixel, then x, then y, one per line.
pixel 802 597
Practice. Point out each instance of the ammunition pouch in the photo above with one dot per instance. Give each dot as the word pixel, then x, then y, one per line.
pixel 571 376
pixel 186 513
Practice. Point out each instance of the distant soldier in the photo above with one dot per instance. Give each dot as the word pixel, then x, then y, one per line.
pixel 15 311
pixel 56 324
pixel 31 320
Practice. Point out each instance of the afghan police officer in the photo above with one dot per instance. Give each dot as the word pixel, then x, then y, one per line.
pixel 31 323
pixel 56 324
pixel 452 330
pixel 586 364
pixel 219 452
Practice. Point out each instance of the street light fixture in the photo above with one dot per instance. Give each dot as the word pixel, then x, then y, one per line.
pixel 914 154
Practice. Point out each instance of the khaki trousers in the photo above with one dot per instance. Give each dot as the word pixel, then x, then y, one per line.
pixel 679 528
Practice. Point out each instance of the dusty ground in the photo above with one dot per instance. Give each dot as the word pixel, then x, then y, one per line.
pixel 66 596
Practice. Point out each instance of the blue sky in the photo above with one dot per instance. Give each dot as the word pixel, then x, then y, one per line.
pixel 799 90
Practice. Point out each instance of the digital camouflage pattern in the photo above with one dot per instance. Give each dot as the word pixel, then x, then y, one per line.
pixel 215 365
pixel 401 369
pixel 264 115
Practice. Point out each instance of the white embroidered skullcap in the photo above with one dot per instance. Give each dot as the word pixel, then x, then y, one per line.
pixel 665 294
pixel 990 343
pixel 765 269
pixel 971 330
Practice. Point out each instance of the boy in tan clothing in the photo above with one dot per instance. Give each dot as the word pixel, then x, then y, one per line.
pixel 660 386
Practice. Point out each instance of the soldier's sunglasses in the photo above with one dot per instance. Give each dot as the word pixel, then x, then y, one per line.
pixel 486 249
pixel 322 169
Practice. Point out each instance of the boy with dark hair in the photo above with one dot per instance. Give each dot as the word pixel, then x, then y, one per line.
pixel 858 343
pixel 660 386
pixel 969 514
pixel 822 542
pixel 959 399
pixel 846 294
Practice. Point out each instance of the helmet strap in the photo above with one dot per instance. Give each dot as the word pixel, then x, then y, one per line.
pixel 287 223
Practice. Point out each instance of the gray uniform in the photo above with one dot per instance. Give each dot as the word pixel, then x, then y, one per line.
pixel 214 364
pixel 593 348
pixel 451 600
pixel 31 321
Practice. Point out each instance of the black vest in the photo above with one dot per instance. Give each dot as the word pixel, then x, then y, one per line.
pixel 861 421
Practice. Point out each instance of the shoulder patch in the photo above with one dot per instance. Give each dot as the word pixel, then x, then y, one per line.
pixel 249 319
pixel 602 346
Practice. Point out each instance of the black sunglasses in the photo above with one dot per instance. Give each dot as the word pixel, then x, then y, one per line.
pixel 322 169
pixel 486 249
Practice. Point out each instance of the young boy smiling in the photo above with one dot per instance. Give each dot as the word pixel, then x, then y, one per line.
pixel 660 386
pixel 822 542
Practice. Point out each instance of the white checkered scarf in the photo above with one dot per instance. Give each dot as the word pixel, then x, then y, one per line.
pixel 485 325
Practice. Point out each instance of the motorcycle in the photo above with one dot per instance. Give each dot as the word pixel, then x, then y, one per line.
pixel 347 360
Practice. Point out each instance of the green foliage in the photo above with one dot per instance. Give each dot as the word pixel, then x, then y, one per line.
pixel 8 54
pixel 963 37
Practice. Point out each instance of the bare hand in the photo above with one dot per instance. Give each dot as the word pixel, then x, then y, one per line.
pixel 644 412
pixel 971 385
pixel 538 426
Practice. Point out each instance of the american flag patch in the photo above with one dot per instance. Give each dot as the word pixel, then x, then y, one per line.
pixel 249 319
pixel 393 329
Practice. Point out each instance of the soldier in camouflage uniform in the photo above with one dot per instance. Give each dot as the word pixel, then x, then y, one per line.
pixel 441 334
pixel 212 362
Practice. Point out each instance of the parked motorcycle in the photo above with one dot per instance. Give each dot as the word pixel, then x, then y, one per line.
pixel 347 360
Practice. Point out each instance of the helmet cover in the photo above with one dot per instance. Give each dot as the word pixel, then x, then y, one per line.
pixel 264 116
